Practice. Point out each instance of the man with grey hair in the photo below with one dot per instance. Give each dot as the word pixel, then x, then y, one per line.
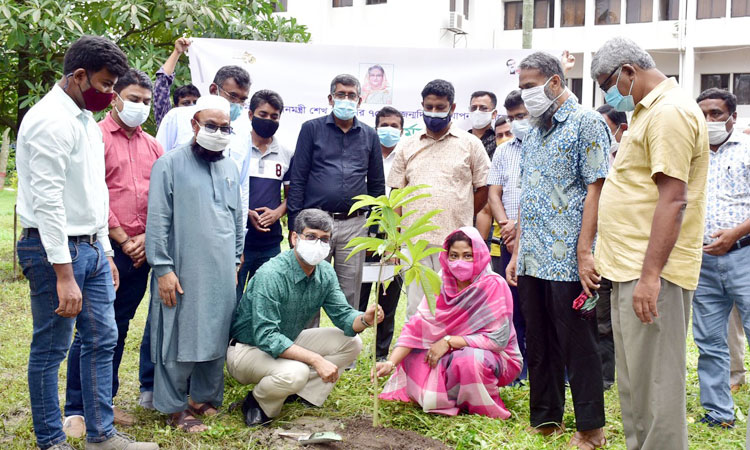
pixel 337 158
pixel 270 346
pixel 563 166
pixel 651 219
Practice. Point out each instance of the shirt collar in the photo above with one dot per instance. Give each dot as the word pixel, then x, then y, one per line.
pixel 568 106
pixel 331 120
pixel 109 124
pixel 451 131
pixel 273 147
pixel 736 138
pixel 68 104
pixel 661 88
pixel 390 155
pixel 297 273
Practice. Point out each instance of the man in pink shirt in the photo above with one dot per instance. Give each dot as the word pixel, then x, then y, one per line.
pixel 129 153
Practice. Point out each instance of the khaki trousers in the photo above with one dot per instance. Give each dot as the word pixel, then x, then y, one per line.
pixel 736 349
pixel 651 362
pixel 278 378
pixel 414 293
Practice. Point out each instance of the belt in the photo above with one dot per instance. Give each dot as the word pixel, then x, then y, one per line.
pixel 34 233
pixel 744 242
pixel 344 216
pixel 232 342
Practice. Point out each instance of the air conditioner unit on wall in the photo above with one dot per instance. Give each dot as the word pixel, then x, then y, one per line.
pixel 456 22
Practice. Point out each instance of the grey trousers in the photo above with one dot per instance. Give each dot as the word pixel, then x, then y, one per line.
pixel 736 349
pixel 278 378
pixel 651 362
pixel 171 384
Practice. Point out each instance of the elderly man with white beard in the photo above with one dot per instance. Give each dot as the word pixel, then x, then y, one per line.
pixel 563 166
pixel 194 240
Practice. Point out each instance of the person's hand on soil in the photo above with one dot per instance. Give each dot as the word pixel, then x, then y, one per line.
pixel 382 369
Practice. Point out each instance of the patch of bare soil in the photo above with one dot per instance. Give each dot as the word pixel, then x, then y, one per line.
pixel 357 434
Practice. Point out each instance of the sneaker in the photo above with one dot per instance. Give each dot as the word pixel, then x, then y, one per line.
pixel 711 422
pixel 146 400
pixel 120 441
pixel 61 446
pixel 123 418
pixel 74 427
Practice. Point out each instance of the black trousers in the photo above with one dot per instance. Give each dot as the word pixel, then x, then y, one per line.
pixel 606 339
pixel 389 302
pixel 556 339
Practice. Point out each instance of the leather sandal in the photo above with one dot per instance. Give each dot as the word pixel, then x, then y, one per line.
pixel 204 410
pixel 185 421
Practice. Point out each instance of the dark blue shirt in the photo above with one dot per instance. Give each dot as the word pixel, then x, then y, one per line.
pixel 330 167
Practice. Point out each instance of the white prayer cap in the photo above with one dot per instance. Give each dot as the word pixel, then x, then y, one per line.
pixel 211 102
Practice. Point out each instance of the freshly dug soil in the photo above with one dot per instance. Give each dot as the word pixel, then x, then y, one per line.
pixel 357 434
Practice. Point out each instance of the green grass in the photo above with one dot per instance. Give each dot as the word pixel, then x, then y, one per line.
pixel 351 397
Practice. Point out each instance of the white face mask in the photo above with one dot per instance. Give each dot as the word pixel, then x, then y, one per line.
pixel 536 101
pixel 520 128
pixel 215 142
pixel 717 132
pixel 312 252
pixel 133 114
pixel 480 119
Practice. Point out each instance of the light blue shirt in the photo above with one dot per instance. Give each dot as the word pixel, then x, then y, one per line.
pixel 728 187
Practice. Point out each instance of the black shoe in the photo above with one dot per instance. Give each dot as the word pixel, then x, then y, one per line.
pixel 711 422
pixel 253 413
pixel 296 398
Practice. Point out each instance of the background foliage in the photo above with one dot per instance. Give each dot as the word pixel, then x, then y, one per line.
pixel 34 35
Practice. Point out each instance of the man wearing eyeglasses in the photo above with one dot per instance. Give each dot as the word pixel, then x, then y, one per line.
pixel 270 346
pixel 337 158
pixel 194 240
pixel 651 220
pixel 231 83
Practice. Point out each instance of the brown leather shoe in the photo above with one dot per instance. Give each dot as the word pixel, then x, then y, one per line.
pixel 123 418
pixel 74 427
pixel 547 430
pixel 588 440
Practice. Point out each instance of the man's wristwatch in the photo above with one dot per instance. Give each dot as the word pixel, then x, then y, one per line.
pixel 447 340
pixel 364 322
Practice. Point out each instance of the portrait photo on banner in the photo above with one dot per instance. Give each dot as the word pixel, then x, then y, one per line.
pixel 377 83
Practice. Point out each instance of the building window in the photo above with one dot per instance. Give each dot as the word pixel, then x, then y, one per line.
pixel 639 11
pixel 742 88
pixel 375 2
pixel 280 5
pixel 341 3
pixel 576 86
pixel 513 15
pixel 452 6
pixel 573 13
pixel 715 80
pixel 466 9
pixel 710 9
pixel 606 12
pixel 740 8
pixel 669 9
pixel 544 13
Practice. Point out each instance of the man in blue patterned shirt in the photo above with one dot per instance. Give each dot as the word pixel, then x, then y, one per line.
pixel 725 275
pixel 563 166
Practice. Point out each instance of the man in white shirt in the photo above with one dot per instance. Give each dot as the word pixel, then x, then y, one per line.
pixel 65 252
pixel 232 83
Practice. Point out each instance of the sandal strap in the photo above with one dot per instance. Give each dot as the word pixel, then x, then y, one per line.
pixel 204 408
pixel 183 422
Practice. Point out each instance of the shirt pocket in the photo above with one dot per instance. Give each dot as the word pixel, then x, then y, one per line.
pixel 230 193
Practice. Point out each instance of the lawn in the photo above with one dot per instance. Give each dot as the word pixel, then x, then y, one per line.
pixel 352 396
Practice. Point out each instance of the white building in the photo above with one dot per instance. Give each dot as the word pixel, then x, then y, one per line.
pixel 704 43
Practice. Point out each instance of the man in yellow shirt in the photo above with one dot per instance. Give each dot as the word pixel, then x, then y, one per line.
pixel 651 216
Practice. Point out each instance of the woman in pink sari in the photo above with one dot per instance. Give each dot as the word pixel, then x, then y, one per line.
pixel 456 359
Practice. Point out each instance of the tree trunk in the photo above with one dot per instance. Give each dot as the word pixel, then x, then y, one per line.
pixel 21 88
pixel 528 22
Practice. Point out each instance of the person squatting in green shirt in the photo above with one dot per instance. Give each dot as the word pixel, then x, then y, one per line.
pixel 286 361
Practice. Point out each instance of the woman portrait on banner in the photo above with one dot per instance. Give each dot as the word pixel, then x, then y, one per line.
pixel 456 359
pixel 375 87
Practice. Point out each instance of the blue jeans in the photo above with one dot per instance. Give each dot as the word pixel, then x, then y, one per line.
pixel 724 282
pixel 132 289
pixel 253 260
pixel 52 334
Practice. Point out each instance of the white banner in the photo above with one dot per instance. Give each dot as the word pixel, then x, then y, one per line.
pixel 302 74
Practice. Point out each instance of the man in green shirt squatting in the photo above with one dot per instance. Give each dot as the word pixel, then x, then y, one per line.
pixel 270 346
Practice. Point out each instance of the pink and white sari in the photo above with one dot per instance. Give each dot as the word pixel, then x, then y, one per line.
pixel 465 379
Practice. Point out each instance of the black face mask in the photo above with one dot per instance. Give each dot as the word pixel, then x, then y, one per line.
pixel 264 128
pixel 206 155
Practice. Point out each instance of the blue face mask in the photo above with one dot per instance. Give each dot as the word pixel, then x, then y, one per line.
pixel 344 109
pixel 622 103
pixel 437 121
pixel 234 111
pixel 389 136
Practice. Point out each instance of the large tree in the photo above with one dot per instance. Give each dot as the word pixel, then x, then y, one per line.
pixel 35 33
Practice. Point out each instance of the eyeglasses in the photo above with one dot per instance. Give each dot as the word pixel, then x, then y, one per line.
pixel 343 95
pixel 312 237
pixel 211 128
pixel 602 86
pixel 233 98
